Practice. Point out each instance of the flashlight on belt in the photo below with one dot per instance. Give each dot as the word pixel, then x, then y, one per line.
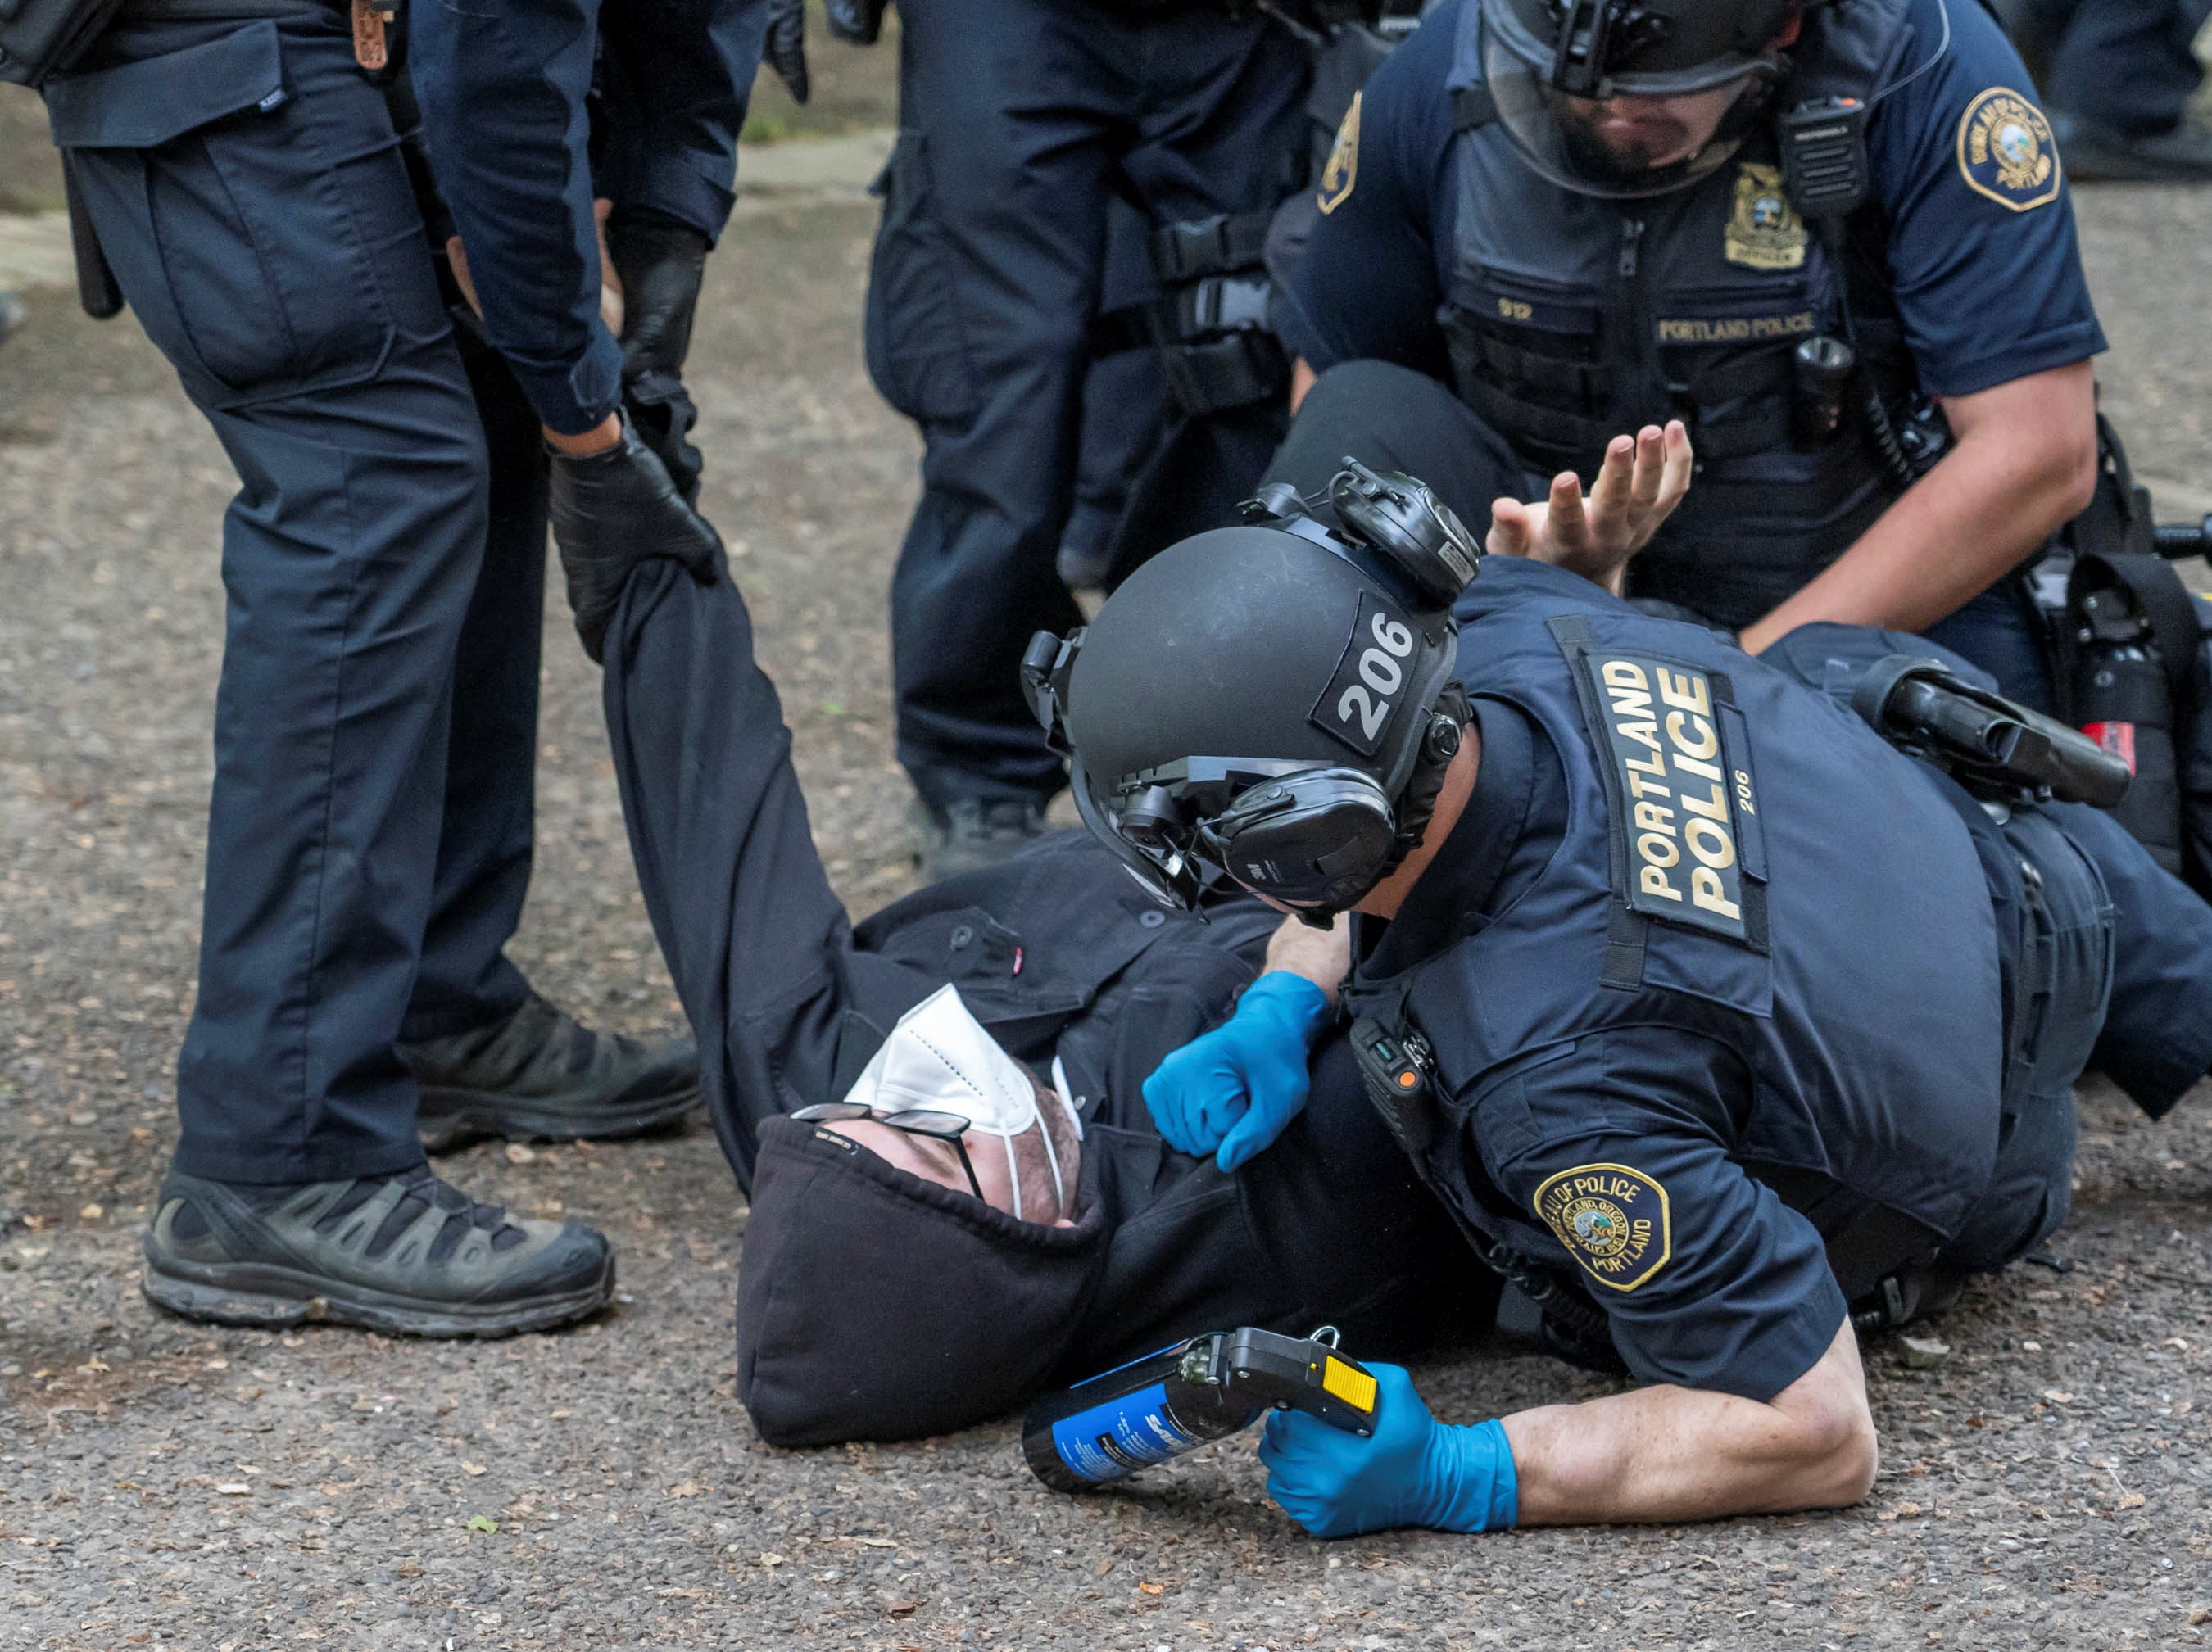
pixel 1158 1407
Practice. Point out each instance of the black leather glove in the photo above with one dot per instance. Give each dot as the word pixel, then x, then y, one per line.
pixel 786 51
pixel 661 262
pixel 612 512
pixel 858 21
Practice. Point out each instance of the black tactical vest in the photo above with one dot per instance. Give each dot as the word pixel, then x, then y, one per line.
pixel 1572 320
pixel 1745 860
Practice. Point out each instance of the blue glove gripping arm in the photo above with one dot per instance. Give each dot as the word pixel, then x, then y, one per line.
pixel 1234 1088
pixel 1413 1471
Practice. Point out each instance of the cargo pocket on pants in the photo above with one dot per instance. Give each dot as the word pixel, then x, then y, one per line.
pixel 251 247
pixel 917 354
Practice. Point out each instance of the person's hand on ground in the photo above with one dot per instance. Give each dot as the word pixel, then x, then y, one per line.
pixel 1231 1092
pixel 1642 479
pixel 1411 1471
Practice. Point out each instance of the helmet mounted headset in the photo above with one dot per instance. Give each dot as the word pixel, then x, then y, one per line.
pixel 1324 649
pixel 1541 57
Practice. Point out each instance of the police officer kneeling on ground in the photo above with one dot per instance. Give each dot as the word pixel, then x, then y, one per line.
pixel 1832 237
pixel 1717 1021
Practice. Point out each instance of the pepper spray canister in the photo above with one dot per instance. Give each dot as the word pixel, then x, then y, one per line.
pixel 1157 1408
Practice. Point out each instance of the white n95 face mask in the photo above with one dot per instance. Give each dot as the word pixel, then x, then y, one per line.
pixel 939 1059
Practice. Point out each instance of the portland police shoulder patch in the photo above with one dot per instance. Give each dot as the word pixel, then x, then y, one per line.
pixel 1342 171
pixel 2006 151
pixel 1613 1220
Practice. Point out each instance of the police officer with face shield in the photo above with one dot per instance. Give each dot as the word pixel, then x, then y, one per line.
pixel 1831 237
pixel 1722 1026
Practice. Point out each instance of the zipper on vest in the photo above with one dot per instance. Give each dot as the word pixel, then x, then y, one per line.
pixel 1631 406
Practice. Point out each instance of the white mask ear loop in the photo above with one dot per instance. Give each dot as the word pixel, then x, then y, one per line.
pixel 1013 1175
pixel 1052 1158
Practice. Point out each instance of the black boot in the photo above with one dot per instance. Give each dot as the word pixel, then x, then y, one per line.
pixel 541 1075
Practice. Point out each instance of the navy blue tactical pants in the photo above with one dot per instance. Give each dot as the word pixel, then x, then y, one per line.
pixel 1018 119
pixel 1394 418
pixel 2128 63
pixel 369 838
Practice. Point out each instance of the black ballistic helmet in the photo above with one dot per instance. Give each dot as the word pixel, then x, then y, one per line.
pixel 1264 699
pixel 1546 61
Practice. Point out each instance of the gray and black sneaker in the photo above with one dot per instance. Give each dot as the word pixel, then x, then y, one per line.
pixel 541 1075
pixel 973 834
pixel 408 1254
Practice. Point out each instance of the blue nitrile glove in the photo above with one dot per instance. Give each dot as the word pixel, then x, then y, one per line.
pixel 1411 1471
pixel 1236 1087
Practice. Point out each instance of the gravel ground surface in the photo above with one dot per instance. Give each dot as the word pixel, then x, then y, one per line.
pixel 2045 1484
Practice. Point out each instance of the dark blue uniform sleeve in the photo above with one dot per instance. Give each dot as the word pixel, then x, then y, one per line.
pixel 1370 282
pixel 1610 1147
pixel 1983 249
pixel 502 86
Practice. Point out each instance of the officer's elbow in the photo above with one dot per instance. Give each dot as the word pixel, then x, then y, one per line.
pixel 1837 1453
pixel 1845 1459
pixel 2074 473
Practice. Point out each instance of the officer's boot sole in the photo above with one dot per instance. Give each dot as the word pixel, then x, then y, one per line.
pixel 450 1117
pixel 268 1296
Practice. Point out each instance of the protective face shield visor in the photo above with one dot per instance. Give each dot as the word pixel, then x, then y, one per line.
pixel 1618 134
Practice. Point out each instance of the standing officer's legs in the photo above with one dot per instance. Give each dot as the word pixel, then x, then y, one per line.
pixel 245 183
pixel 986 278
pixel 2117 77
pixel 485 836
pixel 276 259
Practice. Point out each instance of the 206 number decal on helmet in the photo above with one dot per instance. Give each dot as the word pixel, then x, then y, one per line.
pixel 1356 706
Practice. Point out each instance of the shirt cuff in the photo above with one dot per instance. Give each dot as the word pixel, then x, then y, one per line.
pixel 574 399
pixel 674 184
pixel 2038 354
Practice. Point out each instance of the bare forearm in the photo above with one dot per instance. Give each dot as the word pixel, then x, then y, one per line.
pixel 2024 465
pixel 1321 955
pixel 1670 1453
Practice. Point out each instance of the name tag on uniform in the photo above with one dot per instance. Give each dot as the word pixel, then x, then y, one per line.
pixel 1686 802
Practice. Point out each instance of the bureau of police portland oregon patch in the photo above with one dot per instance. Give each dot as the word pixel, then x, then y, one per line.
pixel 1613 1220
pixel 2006 151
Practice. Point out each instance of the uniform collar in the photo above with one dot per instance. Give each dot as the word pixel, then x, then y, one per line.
pixel 1467 882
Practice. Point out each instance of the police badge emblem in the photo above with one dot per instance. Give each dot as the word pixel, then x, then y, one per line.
pixel 2006 151
pixel 1342 171
pixel 1764 230
pixel 1611 1220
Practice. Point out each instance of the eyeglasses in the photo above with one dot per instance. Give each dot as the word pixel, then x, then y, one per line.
pixel 913 1121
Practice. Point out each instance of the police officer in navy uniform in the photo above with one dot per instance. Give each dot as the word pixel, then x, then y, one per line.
pixel 1833 239
pixel 249 167
pixel 1019 121
pixel 1716 1020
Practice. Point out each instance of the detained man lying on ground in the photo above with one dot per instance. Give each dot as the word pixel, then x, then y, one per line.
pixel 895 1282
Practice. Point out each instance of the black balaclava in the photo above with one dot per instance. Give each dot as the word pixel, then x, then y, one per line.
pixel 872 1304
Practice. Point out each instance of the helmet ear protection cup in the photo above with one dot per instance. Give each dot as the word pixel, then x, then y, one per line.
pixel 1312 839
